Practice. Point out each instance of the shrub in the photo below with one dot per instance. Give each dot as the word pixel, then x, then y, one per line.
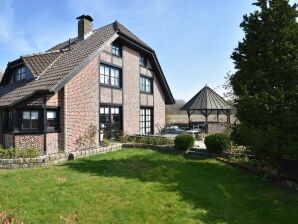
pixel 217 143
pixel 184 142
pixel 146 140
pixel 29 152
pixel 15 152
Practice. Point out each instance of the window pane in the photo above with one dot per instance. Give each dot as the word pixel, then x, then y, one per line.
pixel 107 71
pixel 106 80
pixel 102 78
pixel 102 110
pixel 106 110
pixel 51 114
pixel 102 70
pixel 34 124
pixel 26 124
pixel 34 115
pixel 26 115
pixel 51 123
pixel 112 72
pixel 116 73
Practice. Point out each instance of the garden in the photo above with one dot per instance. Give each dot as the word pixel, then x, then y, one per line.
pixel 143 186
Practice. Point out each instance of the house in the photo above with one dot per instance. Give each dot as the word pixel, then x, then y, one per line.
pixel 105 78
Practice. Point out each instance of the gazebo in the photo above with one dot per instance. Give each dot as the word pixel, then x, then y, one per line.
pixel 207 102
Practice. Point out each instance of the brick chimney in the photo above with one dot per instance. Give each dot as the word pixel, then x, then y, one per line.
pixel 84 26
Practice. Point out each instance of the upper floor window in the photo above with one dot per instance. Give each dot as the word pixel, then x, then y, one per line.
pixel 145 84
pixel 110 76
pixel 30 120
pixel 20 74
pixel 143 61
pixel 116 50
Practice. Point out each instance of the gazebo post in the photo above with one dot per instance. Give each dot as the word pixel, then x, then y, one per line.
pixel 228 116
pixel 188 114
pixel 206 125
pixel 217 116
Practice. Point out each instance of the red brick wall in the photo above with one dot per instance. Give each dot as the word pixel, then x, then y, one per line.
pixel 52 143
pixel 81 105
pixel 32 140
pixel 130 96
pixel 131 91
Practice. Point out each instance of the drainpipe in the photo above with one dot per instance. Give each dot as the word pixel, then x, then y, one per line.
pixel 44 125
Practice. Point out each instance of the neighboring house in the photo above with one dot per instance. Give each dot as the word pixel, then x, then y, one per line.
pixel 106 78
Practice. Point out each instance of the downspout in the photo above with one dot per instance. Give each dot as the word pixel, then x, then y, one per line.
pixel 44 125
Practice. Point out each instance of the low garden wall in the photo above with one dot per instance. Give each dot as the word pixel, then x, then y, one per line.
pixel 46 160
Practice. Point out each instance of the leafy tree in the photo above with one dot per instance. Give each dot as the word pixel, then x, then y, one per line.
pixel 266 81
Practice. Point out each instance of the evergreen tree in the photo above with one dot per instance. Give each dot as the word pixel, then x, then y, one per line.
pixel 266 81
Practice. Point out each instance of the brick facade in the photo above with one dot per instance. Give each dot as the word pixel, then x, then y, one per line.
pixel 79 101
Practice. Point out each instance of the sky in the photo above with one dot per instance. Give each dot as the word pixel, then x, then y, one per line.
pixel 193 39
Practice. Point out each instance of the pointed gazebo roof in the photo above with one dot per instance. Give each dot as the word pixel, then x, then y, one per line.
pixel 206 99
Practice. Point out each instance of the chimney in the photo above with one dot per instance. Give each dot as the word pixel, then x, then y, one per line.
pixel 84 26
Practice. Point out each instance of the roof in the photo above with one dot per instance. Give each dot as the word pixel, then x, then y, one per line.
pixel 54 68
pixel 37 63
pixel 206 99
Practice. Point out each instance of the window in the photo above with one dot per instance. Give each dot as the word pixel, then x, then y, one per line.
pixel 52 120
pixel 146 121
pixel 30 120
pixel 116 50
pixel 110 120
pixel 110 76
pixel 20 74
pixel 145 84
pixel 143 61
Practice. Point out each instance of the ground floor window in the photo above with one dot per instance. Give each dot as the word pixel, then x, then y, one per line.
pixel 30 120
pixel 146 119
pixel 52 120
pixel 110 121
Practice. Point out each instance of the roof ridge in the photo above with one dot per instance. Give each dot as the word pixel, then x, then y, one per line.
pixel 40 53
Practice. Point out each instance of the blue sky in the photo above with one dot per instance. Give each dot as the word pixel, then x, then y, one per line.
pixel 193 39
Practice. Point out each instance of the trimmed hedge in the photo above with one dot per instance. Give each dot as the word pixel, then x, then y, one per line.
pixel 217 143
pixel 146 140
pixel 184 142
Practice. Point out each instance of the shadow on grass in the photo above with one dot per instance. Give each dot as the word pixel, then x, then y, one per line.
pixel 226 194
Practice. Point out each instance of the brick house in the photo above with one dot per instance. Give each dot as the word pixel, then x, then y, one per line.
pixel 105 78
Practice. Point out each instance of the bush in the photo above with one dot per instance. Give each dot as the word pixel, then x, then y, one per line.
pixel 14 152
pixel 146 140
pixel 217 143
pixel 184 142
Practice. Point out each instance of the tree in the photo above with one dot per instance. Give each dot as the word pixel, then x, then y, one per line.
pixel 266 81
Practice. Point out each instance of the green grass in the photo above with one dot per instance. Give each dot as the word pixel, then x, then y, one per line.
pixel 143 186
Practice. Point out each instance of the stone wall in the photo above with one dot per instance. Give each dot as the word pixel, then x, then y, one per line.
pixel 46 160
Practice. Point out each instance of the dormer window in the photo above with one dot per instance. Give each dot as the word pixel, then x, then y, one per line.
pixel 143 60
pixel 20 74
pixel 116 50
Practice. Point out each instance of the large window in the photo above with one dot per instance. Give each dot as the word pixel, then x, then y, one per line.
pixel 146 121
pixel 110 121
pixel 52 120
pixel 110 76
pixel 20 74
pixel 143 61
pixel 116 50
pixel 146 84
pixel 30 120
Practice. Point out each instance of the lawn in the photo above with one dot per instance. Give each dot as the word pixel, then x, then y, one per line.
pixel 143 186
